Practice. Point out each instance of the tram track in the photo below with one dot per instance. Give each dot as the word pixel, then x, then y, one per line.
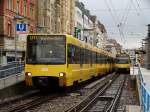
pixel 102 100
pixel 31 104
pixel 35 102
pixel 18 98
pixel 39 99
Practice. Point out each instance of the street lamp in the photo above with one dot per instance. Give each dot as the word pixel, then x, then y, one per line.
pixel 17 17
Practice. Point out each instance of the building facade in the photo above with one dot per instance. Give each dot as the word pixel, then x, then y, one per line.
pixel 45 16
pixel 83 21
pixel 9 37
pixel 55 16
pixel 113 46
pixel 100 34
pixel 65 14
pixel 92 30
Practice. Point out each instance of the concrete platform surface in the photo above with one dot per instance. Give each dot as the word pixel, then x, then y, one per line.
pixel 133 70
pixel 133 108
pixel 146 77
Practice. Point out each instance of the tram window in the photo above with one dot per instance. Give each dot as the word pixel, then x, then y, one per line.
pixel 91 60
pixel 82 56
pixel 73 54
pixel 77 55
pixel 85 56
pixel 98 58
pixel 102 59
pixel 70 51
pixel 106 59
pixel 95 57
pixel 88 56
pixel 46 51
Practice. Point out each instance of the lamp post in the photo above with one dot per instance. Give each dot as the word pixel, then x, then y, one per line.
pixel 17 17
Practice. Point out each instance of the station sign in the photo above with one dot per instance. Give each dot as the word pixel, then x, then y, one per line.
pixel 21 27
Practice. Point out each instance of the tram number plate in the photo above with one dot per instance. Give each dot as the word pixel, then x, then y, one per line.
pixel 44 69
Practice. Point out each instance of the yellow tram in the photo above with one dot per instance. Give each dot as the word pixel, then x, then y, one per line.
pixel 62 60
pixel 123 63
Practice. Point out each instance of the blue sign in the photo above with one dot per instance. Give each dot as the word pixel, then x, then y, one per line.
pixel 21 27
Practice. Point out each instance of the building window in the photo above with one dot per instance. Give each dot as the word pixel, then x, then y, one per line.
pixel 25 7
pixel 31 11
pixel 79 14
pixel 18 6
pixel 45 21
pixel 10 4
pixel 9 29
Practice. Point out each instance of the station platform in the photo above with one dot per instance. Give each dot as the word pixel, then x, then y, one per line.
pixel 146 77
pixel 134 70
pixel 133 108
pixel 143 87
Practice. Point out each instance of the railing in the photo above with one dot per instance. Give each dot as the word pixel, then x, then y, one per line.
pixel 11 80
pixel 10 65
pixel 13 68
pixel 145 94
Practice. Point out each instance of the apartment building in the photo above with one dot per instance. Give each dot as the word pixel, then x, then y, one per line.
pixel 9 13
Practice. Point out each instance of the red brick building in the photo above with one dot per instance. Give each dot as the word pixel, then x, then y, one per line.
pixel 8 10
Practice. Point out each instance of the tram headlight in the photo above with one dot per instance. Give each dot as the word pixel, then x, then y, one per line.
pixel 61 74
pixel 29 74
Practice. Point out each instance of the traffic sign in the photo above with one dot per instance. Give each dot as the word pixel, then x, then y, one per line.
pixel 21 27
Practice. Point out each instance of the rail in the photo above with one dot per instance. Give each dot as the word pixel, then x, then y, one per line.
pixel 105 102
pixel 145 94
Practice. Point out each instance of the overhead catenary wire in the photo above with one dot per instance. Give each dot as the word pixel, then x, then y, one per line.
pixel 115 21
pixel 123 19
pixel 117 10
pixel 134 6
pixel 141 10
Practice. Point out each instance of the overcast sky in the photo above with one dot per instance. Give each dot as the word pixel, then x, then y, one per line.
pixel 129 16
